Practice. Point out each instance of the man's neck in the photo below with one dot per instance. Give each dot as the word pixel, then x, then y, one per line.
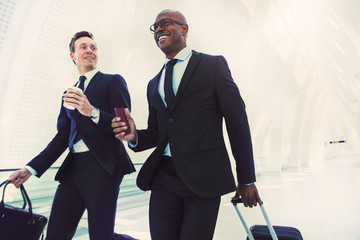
pixel 83 71
pixel 173 54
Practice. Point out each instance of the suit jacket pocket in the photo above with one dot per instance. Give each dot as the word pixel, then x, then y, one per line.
pixel 211 144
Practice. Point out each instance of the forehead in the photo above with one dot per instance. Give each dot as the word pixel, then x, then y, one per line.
pixel 84 40
pixel 172 15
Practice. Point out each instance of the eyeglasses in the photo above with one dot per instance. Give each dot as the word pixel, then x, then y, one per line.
pixel 164 23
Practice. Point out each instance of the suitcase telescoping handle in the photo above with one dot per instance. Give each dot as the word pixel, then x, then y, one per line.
pixel 251 237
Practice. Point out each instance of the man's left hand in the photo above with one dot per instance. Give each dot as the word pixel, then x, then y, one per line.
pixel 249 194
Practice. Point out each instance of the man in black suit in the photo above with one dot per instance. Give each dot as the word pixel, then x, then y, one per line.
pixel 189 169
pixel 91 173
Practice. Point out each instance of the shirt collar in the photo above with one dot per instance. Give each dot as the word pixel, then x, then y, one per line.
pixel 89 75
pixel 182 55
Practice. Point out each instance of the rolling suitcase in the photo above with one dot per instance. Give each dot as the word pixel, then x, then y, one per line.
pixel 267 232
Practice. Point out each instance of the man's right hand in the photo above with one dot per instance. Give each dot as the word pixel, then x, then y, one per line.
pixel 19 177
pixel 119 128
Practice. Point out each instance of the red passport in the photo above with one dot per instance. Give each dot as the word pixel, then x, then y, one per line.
pixel 120 112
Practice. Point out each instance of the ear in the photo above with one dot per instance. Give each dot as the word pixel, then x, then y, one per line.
pixel 72 56
pixel 184 29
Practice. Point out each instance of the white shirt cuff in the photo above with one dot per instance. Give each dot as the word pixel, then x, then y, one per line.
pixel 31 170
pixel 97 119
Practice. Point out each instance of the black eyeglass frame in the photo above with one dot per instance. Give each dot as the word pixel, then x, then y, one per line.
pixel 157 24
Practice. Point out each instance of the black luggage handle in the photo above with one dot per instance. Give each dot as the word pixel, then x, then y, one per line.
pixel 236 201
pixel 248 232
pixel 24 195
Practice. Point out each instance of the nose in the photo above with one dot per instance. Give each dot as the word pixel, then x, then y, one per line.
pixel 159 28
pixel 89 50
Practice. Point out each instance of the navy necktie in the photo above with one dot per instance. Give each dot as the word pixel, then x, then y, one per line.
pixel 81 86
pixel 168 84
pixel 81 82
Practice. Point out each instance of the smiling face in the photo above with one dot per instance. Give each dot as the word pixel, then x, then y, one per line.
pixel 172 38
pixel 85 54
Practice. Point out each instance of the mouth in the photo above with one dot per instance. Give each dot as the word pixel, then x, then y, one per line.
pixel 162 38
pixel 89 58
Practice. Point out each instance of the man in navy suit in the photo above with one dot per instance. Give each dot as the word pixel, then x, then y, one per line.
pixel 91 173
pixel 189 170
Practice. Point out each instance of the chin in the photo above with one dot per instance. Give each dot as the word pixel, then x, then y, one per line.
pixel 164 49
pixel 91 67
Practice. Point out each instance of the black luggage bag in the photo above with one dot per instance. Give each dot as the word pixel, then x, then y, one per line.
pixel 267 232
pixel 20 223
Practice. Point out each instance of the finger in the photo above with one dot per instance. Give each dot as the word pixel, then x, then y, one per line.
pixel 120 128
pixel 116 130
pixel 12 178
pixel 17 183
pixel 120 135
pixel 245 201
pixel 236 196
pixel 69 94
pixel 72 91
pixel 116 119
pixel 127 113
pixel 253 201
pixel 70 100
pixel 76 96
pixel 118 122
pixel 249 201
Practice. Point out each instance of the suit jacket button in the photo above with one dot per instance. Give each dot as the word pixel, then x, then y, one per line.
pixel 170 120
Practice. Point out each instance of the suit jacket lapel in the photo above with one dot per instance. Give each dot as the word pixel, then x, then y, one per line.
pixel 154 93
pixel 96 78
pixel 193 62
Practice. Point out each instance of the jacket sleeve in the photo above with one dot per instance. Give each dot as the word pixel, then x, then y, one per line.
pixel 55 148
pixel 148 138
pixel 119 96
pixel 233 110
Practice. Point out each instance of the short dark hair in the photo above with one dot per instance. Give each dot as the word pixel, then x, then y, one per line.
pixel 77 36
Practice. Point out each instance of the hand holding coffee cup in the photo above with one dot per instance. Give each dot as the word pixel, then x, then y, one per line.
pixel 67 105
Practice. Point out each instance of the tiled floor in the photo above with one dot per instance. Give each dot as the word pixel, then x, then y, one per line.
pixel 322 202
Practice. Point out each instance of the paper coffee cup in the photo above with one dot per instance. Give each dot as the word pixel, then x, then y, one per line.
pixel 75 89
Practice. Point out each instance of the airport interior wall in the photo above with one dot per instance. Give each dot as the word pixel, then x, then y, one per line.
pixel 296 64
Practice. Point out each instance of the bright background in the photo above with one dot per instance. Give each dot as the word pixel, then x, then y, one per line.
pixel 296 62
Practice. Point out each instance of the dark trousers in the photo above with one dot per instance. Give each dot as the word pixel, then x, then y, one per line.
pixel 86 185
pixel 175 212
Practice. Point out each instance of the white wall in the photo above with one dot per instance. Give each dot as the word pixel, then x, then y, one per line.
pixel 295 62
